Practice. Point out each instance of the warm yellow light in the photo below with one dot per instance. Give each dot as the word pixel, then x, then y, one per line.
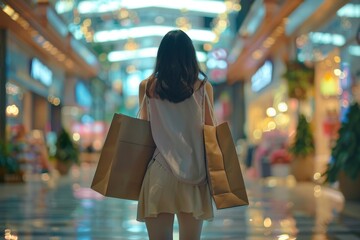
pixel 257 54
pixel 257 134
pixel 268 42
pixel 337 59
pixel 271 125
pixel 237 7
pixel 12 110
pixel 207 47
pixel 267 222
pixel 87 22
pixel 337 72
pixel 56 101
pixel 15 16
pixel 283 237
pixel 317 188
pixel 76 137
pixel 282 107
pixel 317 176
pixel 271 112
pixel 8 10
pixel 130 69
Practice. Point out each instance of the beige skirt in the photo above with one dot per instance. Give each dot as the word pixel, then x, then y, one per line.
pixel 162 192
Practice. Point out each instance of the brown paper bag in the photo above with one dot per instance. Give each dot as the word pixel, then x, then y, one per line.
pixel 224 174
pixel 127 150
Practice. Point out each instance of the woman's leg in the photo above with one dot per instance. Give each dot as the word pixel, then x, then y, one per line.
pixel 189 227
pixel 160 227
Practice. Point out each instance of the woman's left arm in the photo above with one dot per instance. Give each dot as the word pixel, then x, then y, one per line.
pixel 142 92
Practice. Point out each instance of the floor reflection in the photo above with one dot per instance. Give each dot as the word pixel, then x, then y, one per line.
pixel 53 207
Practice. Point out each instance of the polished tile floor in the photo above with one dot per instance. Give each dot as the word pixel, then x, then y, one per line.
pixel 65 208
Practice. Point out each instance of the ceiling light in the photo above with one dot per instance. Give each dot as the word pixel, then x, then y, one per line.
pixel 327 38
pixel 349 10
pixel 117 56
pixel 212 7
pixel 354 50
pixel 147 31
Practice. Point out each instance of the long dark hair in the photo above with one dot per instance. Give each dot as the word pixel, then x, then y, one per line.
pixel 177 68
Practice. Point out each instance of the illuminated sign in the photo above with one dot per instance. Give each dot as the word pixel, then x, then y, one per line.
pixel 82 95
pixel 262 77
pixel 41 72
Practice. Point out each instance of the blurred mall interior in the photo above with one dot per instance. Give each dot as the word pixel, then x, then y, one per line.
pixel 286 76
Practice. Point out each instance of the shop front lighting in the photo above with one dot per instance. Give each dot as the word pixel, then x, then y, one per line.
pixel 37 38
pixel 200 35
pixel 12 110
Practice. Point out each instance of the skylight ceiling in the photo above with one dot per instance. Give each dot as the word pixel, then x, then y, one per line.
pixel 118 27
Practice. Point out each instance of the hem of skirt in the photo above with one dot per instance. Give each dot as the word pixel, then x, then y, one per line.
pixel 196 216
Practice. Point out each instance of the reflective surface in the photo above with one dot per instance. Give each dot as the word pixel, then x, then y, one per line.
pixel 52 207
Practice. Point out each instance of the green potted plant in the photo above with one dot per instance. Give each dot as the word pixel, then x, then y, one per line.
pixel 67 153
pixel 300 79
pixel 302 151
pixel 345 163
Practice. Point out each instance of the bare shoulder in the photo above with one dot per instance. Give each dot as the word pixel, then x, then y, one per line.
pixel 143 83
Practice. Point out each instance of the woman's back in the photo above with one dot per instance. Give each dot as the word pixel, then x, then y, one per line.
pixel 177 131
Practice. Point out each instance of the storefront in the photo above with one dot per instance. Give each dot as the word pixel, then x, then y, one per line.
pixel 268 105
pixel 334 52
pixel 33 89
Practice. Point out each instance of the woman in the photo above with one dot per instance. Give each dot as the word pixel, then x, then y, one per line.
pixel 177 104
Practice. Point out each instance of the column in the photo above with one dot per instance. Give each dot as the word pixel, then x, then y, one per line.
pixel 3 78
pixel 238 116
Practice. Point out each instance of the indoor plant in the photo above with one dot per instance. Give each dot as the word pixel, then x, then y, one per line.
pixel 345 161
pixel 302 150
pixel 67 153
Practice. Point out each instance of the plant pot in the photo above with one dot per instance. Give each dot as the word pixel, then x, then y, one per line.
pixel 349 187
pixel 280 170
pixel 302 168
pixel 63 167
pixel 14 177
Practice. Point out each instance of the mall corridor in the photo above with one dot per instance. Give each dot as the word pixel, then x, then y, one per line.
pixel 283 75
pixel 66 208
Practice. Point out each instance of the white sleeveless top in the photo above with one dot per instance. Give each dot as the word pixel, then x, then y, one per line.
pixel 177 129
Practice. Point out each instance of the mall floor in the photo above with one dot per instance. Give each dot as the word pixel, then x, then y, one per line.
pixel 52 207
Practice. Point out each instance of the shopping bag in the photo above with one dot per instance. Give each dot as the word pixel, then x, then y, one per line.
pixel 223 169
pixel 127 150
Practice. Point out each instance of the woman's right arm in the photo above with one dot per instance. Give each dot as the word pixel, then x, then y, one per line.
pixel 209 109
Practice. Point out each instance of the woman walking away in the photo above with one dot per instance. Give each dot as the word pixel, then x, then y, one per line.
pixel 177 101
